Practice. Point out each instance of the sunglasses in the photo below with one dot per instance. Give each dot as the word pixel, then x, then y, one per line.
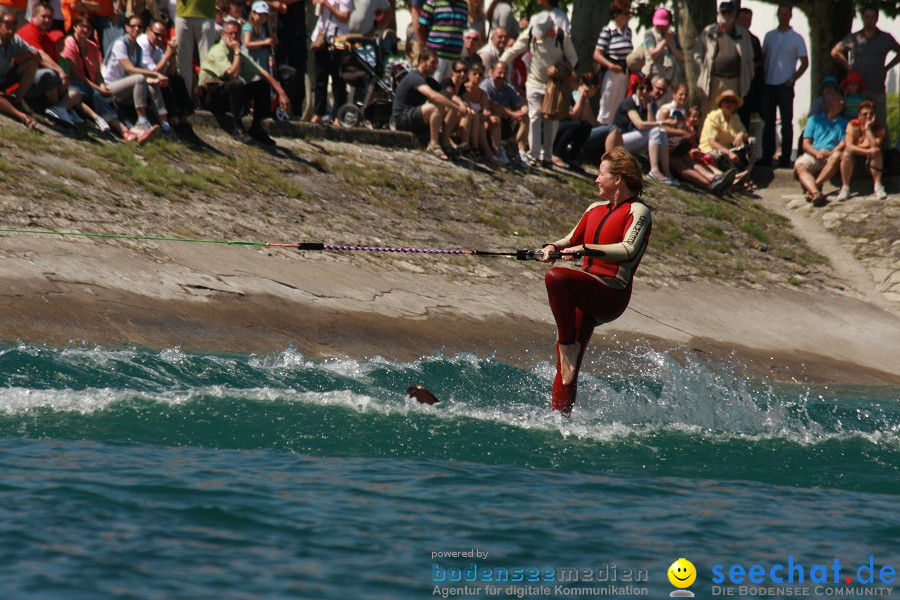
pixel 461 71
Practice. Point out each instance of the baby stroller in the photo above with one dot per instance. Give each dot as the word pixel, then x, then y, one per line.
pixel 363 66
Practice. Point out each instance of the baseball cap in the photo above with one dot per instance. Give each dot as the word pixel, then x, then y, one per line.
pixel 260 7
pixel 661 17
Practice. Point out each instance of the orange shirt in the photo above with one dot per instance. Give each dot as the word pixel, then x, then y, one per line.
pixel 17 4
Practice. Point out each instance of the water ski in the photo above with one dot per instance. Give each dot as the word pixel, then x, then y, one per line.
pixel 422 395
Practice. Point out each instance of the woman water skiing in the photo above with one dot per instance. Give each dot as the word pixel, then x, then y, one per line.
pixel 612 235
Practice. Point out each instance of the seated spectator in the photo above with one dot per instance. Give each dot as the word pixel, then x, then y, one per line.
pixel 510 111
pixel 83 55
pixel 823 146
pixel 420 107
pixel 549 46
pixel 158 55
pixel 685 163
pixel 575 132
pixel 640 131
pixel 230 80
pixel 491 52
pixel 471 45
pixel 455 88
pixel 131 83
pixel 853 88
pixel 724 135
pixel 481 107
pixel 50 82
pixel 863 141
pixel 829 85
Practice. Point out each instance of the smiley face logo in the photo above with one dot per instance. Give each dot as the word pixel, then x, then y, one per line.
pixel 682 573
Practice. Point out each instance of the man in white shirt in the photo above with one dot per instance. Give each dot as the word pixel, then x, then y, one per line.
pixel 783 48
pixel 159 54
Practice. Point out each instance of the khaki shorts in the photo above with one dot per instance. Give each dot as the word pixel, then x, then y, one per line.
pixel 813 164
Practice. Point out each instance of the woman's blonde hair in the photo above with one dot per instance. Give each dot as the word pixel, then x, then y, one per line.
pixel 620 162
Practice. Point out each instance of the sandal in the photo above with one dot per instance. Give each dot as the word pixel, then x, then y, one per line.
pixel 437 151
pixel 29 123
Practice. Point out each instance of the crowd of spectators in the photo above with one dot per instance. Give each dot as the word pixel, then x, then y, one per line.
pixel 490 84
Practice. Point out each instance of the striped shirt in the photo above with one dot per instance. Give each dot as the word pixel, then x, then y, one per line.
pixel 446 20
pixel 867 55
pixel 615 44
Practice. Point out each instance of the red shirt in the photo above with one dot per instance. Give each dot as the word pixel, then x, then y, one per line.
pixel 38 39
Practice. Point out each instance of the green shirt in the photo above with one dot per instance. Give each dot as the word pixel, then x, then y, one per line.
pixel 196 8
pixel 218 60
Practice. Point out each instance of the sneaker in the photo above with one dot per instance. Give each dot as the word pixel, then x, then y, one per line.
pixel 102 125
pixel 547 164
pixel 532 161
pixel 844 194
pixel 145 132
pixel 259 134
pixel 880 192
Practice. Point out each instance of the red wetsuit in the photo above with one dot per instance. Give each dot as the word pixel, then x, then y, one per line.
pixel 599 292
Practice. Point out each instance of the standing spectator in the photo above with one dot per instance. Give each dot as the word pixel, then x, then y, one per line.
pixel 724 58
pixel 560 18
pixel 476 17
pixel 363 17
pixel 492 51
pixel 753 100
pixel 549 47
pixel 613 47
pixel 420 107
pixel 130 82
pixel 823 146
pixel 443 23
pixel 416 31
pixel 500 14
pixel 230 80
pixel 636 120
pixel 865 51
pixel 261 42
pixel 863 141
pixel 783 48
pixel 333 21
pixel 663 51
pixel 158 56
pixel 292 48
pixel 195 27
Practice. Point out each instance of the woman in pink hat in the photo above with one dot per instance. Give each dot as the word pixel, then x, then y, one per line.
pixel 662 52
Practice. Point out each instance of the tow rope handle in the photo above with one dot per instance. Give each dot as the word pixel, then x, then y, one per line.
pixel 539 254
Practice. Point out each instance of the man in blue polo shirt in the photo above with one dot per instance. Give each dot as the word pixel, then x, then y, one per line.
pixel 823 145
